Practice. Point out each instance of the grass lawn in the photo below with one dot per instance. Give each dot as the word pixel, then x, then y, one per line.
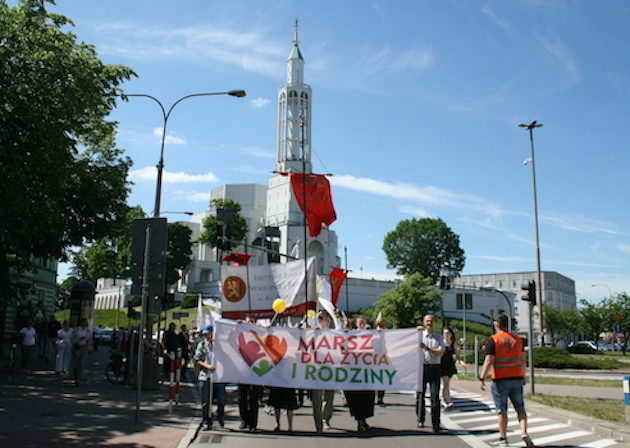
pixel 609 410
pixel 560 381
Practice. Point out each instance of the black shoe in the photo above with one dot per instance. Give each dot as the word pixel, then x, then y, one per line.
pixel 221 423
pixel 437 429
pixel 243 426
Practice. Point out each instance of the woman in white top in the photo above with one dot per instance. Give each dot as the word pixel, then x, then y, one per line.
pixel 28 337
pixel 64 348
pixel 80 340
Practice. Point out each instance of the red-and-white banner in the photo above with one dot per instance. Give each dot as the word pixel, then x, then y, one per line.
pixel 312 191
pixel 252 289
pixel 317 359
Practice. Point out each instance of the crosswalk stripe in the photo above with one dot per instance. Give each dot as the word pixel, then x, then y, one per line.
pixel 530 430
pixel 557 437
pixel 482 419
pixel 514 423
pixel 456 416
pixel 598 444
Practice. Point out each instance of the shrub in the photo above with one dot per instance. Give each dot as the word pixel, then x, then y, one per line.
pixel 559 358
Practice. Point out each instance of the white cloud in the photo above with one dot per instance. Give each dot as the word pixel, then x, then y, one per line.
pixel 170 139
pixel 577 223
pixel 422 213
pixel 489 12
pixel 625 248
pixel 261 102
pixel 563 55
pixel 386 60
pixel 258 152
pixel 428 195
pixel 206 45
pixel 150 173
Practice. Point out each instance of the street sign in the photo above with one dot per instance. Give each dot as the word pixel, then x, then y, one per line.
pixel 179 315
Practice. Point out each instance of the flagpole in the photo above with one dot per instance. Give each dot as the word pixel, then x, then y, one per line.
pixel 249 298
pixel 345 252
pixel 305 208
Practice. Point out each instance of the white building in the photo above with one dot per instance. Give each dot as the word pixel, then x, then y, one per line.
pixel 111 294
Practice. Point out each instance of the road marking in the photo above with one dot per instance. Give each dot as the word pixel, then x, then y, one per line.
pixel 513 423
pixel 469 413
pixel 483 419
pixel 598 444
pixel 558 437
pixel 530 430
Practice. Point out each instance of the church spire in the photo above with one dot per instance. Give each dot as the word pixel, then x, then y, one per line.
pixel 294 104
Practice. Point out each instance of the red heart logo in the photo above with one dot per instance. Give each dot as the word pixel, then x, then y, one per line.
pixel 275 347
pixel 250 350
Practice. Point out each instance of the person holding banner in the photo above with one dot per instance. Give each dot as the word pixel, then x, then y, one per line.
pixel 322 399
pixel 283 398
pixel 204 358
pixel 433 347
pixel 248 396
pixel 361 402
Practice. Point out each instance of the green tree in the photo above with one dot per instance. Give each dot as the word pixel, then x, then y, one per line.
pixel 426 246
pixel 554 323
pixel 592 319
pixel 620 306
pixel 111 257
pixel 570 327
pixel 63 182
pixel 406 304
pixel 237 227
pixel 63 293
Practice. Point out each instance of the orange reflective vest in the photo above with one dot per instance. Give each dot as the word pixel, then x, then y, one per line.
pixel 508 356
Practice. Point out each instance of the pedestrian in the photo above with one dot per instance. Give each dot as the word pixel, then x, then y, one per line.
pixel 433 347
pixel 448 366
pixel 322 399
pixel 42 337
pixel 53 328
pixel 170 347
pixel 97 333
pixel 248 398
pixel 283 398
pixel 204 358
pixel 28 339
pixel 506 357
pixel 81 338
pixel 184 343
pixel 381 324
pixel 63 345
pixel 361 402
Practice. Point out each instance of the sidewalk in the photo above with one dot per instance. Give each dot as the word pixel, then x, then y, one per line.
pixel 41 409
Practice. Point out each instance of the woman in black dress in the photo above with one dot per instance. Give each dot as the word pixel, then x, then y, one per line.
pixel 448 366
pixel 283 398
pixel 361 402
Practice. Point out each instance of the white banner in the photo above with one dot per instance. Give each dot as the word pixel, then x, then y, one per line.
pixel 317 359
pixel 252 289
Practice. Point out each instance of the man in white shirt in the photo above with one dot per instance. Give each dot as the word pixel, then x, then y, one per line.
pixel 433 348
pixel 28 336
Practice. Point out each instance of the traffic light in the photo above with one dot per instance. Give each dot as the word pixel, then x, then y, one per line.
pixel 157 256
pixel 530 287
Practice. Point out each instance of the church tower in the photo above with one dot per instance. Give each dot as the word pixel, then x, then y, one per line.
pixel 294 155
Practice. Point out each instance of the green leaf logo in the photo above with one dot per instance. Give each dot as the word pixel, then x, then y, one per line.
pixel 263 367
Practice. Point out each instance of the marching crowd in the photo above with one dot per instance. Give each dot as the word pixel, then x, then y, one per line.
pixel 504 359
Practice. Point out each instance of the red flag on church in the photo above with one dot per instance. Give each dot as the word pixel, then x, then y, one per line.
pixel 336 277
pixel 238 258
pixel 319 206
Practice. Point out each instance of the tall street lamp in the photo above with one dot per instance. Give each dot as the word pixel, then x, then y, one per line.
pixel 144 322
pixel 605 286
pixel 530 127
pixel 165 115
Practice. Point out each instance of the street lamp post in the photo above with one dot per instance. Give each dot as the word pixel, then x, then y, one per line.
pixel 509 304
pixel 530 127
pixel 156 214
pixel 605 286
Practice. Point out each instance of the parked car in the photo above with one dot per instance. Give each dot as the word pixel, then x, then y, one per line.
pixel 584 347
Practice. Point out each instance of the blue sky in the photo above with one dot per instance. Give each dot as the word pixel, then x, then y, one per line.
pixel 415 111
